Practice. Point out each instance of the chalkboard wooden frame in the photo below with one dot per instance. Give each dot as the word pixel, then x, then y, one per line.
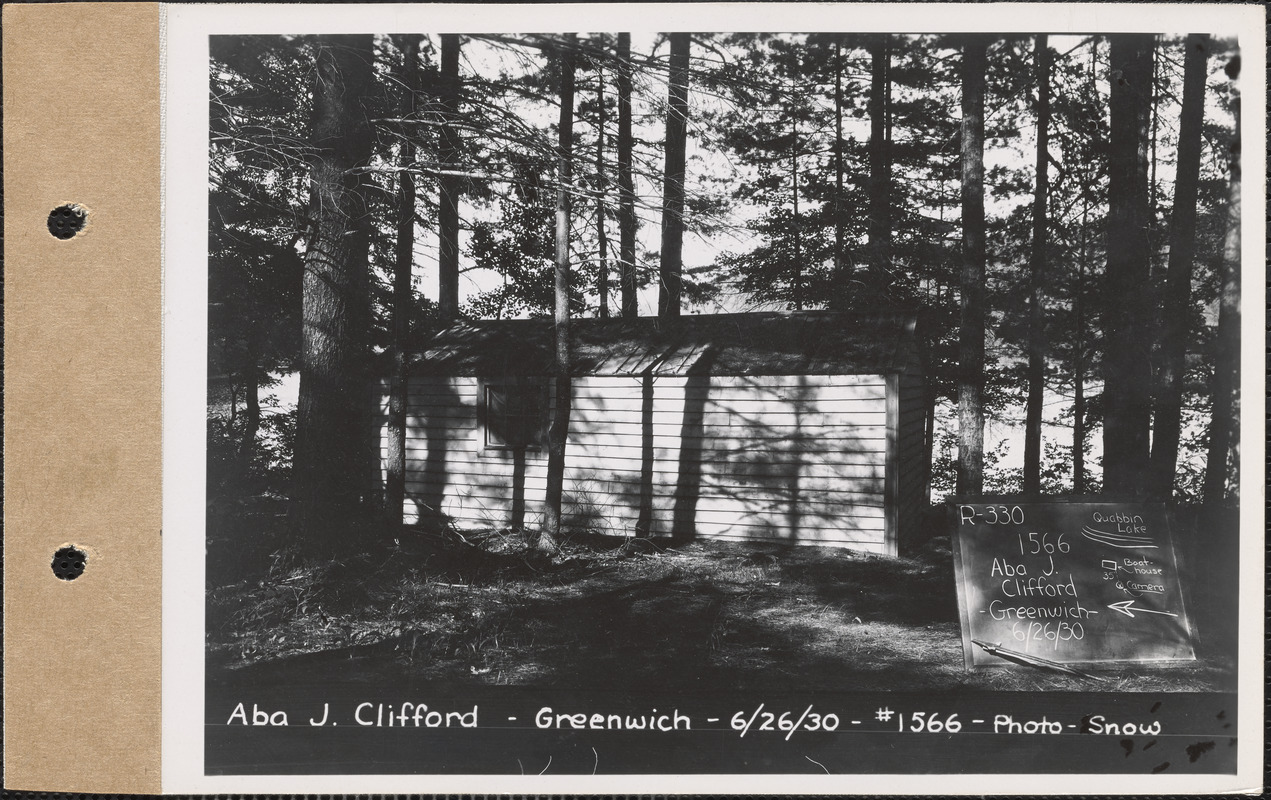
pixel 1175 640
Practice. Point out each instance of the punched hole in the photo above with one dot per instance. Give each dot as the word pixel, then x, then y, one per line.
pixel 68 563
pixel 67 220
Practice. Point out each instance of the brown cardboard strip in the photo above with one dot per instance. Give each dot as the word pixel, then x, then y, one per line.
pixel 82 397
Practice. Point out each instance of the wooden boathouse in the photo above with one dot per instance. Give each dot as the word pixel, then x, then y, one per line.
pixel 800 427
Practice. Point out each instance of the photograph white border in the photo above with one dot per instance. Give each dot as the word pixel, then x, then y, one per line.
pixel 185 32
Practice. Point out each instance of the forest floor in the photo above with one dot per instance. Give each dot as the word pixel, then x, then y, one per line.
pixel 634 615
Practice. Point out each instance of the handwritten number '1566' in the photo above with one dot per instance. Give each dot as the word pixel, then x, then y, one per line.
pixel 1041 543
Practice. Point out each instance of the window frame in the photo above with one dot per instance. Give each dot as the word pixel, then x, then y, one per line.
pixel 536 448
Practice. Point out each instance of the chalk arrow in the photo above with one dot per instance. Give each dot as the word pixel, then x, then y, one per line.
pixel 1125 607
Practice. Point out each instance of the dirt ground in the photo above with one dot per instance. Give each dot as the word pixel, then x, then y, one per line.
pixel 608 615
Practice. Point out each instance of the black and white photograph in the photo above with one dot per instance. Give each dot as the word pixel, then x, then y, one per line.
pixel 846 400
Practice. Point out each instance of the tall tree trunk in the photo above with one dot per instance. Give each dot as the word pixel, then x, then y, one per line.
pixel 842 267
pixel 626 182
pixel 1127 312
pixel 1079 432
pixel 1152 162
pixel 1036 330
pixel 879 167
pixel 559 431
pixel 1079 358
pixel 450 187
pixel 395 468
pixel 1078 302
pixel 797 287
pixel 251 418
pixel 971 335
pixel 333 354
pixel 1156 280
pixel 672 267
pixel 602 238
pixel 1227 342
pixel 1178 279
pixel 928 437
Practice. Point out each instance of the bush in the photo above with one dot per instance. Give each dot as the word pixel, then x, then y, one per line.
pixel 264 469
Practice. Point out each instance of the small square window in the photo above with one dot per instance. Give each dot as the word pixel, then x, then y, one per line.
pixel 515 414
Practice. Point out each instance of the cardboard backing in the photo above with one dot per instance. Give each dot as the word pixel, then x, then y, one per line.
pixel 82 397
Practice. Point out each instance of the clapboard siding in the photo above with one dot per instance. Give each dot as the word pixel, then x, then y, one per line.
pixel 792 479
pixel 762 421
pixel 619 433
pixel 670 400
pixel 662 516
pixel 781 386
pixel 433 495
pixel 780 458
pixel 497 484
pixel 819 503
pixel 792 466
pixel 469 512
pixel 711 445
pixel 725 418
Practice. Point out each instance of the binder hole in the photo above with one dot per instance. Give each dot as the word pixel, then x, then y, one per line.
pixel 67 220
pixel 68 563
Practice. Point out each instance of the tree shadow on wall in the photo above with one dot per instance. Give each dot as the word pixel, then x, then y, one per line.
pixel 784 481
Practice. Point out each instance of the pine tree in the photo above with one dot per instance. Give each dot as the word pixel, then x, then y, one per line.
pixel 559 431
pixel 1127 309
pixel 880 225
pixel 602 188
pixel 448 213
pixel 971 337
pixel 334 396
pixel 842 265
pixel 672 263
pixel 403 296
pixel 1226 356
pixel 1036 330
pixel 626 182
pixel 1176 311
pixel 256 206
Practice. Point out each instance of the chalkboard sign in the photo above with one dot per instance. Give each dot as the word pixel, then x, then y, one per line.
pixel 1068 583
